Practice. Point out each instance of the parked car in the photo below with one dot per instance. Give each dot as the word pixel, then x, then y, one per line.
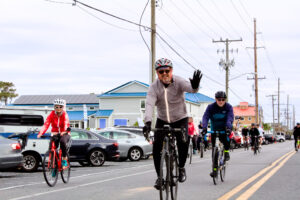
pixel 237 140
pixel 269 138
pixel 10 153
pixel 280 138
pixel 131 145
pixel 288 137
pixel 87 148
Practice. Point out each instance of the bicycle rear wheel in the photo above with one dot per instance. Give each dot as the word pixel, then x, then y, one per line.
pixel 65 173
pixel 215 161
pixel 165 176
pixel 174 176
pixel 50 170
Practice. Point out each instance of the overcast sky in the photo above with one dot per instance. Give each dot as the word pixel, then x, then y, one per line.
pixel 58 48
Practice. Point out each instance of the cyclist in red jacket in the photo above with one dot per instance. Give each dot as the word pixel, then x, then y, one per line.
pixel 59 121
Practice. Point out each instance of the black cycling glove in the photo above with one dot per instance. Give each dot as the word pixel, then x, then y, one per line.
pixel 228 131
pixel 196 79
pixel 204 131
pixel 146 130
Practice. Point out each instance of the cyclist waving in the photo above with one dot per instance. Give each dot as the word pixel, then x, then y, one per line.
pixel 220 113
pixel 59 121
pixel 167 93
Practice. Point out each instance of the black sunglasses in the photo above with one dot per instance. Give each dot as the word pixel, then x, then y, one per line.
pixel 221 99
pixel 58 106
pixel 162 71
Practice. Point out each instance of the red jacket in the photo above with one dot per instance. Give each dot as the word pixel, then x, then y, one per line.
pixel 59 123
pixel 192 130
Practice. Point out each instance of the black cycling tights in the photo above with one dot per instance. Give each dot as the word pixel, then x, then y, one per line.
pixel 223 138
pixel 62 141
pixel 159 138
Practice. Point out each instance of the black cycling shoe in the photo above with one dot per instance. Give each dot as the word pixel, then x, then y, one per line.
pixel 159 183
pixel 213 174
pixel 227 156
pixel 182 175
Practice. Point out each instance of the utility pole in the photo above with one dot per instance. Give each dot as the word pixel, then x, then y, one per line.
pixel 278 119
pixel 255 74
pixel 273 124
pixel 294 123
pixel 287 113
pixel 226 64
pixel 153 32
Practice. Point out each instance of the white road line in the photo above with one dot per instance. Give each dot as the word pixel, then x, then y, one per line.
pixel 75 177
pixel 82 185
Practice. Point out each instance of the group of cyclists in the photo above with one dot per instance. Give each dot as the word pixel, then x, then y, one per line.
pixel 167 93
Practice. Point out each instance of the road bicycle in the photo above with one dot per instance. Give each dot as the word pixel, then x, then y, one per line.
pixel 201 145
pixel 218 159
pixel 169 171
pixel 256 148
pixel 246 143
pixel 52 163
pixel 297 143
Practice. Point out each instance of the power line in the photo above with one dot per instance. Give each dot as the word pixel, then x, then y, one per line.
pixel 114 16
pixel 140 26
pixel 241 16
pixel 213 18
pixel 84 10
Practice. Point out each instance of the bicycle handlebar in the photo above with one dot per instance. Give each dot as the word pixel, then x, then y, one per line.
pixel 216 132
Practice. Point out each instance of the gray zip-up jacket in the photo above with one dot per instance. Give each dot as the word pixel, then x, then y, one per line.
pixel 170 101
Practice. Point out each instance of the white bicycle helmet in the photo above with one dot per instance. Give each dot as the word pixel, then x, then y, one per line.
pixel 59 101
pixel 163 62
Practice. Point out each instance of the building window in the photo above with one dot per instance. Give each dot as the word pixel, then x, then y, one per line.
pixel 249 118
pixel 143 104
pixel 74 124
pixel 92 108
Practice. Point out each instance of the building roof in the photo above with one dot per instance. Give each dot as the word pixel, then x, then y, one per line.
pixel 48 99
pixel 103 113
pixel 191 97
pixel 78 115
pixel 250 111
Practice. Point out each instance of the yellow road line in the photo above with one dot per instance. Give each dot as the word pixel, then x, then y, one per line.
pixel 256 186
pixel 250 180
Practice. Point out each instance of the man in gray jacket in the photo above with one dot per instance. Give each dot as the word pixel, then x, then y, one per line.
pixel 167 93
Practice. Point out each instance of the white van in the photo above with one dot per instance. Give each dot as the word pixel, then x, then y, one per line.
pixel 17 119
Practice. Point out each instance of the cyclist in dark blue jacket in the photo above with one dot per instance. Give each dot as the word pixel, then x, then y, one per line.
pixel 220 114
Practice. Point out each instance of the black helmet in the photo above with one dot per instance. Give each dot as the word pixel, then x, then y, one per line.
pixel 298 123
pixel 253 124
pixel 220 94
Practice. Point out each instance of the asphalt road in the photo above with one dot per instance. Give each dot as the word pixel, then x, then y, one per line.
pixel 273 174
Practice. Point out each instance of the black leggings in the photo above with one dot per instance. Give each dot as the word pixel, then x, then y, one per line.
pixel 223 138
pixel 62 141
pixel 296 138
pixel 159 138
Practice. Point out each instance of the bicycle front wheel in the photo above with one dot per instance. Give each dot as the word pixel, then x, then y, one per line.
pixel 222 166
pixel 215 169
pixel 191 153
pixel 50 170
pixel 201 149
pixel 65 173
pixel 164 175
pixel 174 176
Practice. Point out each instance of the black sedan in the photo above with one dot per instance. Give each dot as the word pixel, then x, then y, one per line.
pixel 269 138
pixel 89 148
pixel 10 153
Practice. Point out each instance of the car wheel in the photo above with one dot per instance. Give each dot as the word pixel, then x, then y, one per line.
pixel 84 164
pixel 267 142
pixel 97 158
pixel 135 154
pixel 30 162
